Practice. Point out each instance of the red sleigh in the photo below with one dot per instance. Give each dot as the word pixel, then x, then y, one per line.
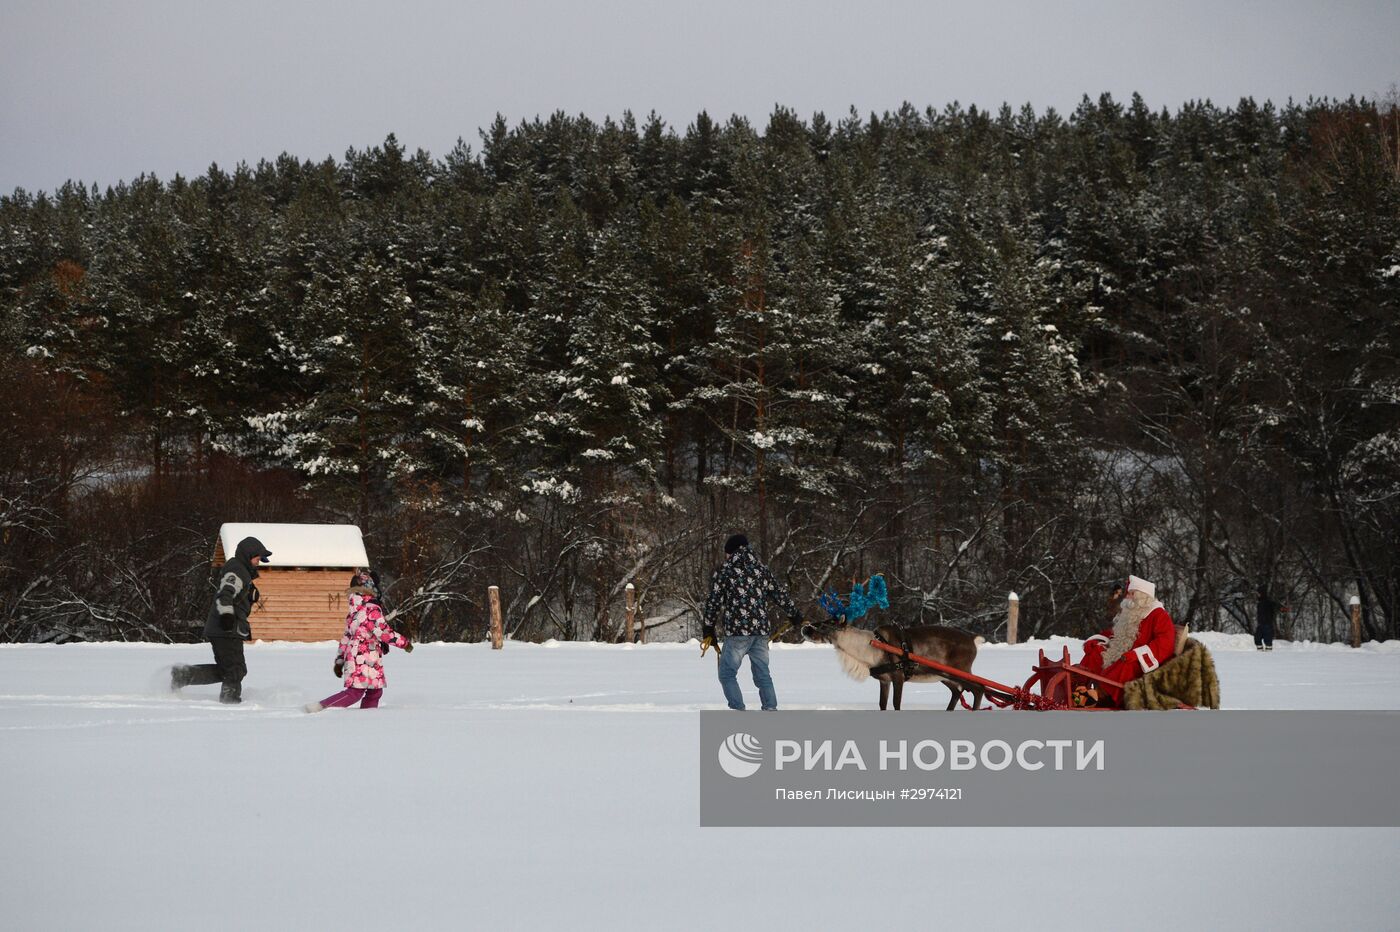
pixel 1051 684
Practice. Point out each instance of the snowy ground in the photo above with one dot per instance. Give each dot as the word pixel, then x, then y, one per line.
pixel 554 787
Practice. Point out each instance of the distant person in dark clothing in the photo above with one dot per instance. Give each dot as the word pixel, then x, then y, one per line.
pixel 226 625
pixel 739 590
pixel 1265 613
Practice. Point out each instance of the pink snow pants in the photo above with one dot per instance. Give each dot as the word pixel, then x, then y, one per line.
pixel 349 696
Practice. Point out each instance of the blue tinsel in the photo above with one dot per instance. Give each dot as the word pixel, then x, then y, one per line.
pixel 874 594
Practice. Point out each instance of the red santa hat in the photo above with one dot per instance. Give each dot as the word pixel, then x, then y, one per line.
pixel 1138 584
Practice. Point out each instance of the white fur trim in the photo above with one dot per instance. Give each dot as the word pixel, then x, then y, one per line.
pixel 1146 659
pixel 1097 637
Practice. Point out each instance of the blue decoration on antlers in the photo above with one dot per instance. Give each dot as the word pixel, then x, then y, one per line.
pixel 873 594
pixel 830 601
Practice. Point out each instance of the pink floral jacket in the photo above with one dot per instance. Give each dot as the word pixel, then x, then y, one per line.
pixel 361 648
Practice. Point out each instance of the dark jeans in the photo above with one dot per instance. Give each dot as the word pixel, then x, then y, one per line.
pixel 228 668
pixel 1264 635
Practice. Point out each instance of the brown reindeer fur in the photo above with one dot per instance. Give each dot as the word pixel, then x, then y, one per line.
pixel 952 647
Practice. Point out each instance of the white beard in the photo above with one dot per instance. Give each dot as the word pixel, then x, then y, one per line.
pixel 1126 625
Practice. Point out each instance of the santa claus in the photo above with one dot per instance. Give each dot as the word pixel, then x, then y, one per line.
pixel 1141 639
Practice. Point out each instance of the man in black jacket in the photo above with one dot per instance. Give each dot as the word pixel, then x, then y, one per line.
pixel 1265 613
pixel 226 625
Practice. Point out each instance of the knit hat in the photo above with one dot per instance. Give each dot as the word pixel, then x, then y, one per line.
pixel 367 580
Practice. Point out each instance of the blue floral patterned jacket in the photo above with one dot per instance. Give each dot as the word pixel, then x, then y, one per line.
pixel 738 590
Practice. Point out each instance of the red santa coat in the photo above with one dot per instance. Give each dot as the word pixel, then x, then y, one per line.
pixel 1154 645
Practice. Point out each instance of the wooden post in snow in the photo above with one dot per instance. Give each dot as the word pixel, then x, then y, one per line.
pixel 498 637
pixel 632 616
pixel 1355 621
pixel 1013 616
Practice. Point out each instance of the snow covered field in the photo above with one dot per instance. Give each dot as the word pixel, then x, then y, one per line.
pixel 555 787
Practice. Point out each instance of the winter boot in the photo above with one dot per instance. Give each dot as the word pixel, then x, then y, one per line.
pixel 179 676
pixel 314 707
pixel 231 694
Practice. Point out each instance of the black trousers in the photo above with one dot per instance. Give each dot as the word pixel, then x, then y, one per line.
pixel 228 668
pixel 1264 635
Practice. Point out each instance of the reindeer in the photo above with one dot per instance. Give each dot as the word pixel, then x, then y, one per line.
pixel 952 647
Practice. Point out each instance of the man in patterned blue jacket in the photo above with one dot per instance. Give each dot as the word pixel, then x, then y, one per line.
pixel 738 593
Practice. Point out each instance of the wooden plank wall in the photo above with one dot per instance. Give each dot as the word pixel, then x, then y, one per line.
pixel 300 604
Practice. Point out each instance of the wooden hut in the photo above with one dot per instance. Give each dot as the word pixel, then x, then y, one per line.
pixel 303 586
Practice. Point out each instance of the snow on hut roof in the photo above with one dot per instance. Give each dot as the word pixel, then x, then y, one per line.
pixel 301 544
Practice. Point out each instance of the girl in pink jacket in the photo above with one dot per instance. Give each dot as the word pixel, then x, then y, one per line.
pixel 362 648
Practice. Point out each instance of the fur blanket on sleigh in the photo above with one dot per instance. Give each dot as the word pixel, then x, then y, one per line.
pixel 1189 677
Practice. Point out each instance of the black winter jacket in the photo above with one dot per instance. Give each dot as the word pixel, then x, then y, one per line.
pixel 228 615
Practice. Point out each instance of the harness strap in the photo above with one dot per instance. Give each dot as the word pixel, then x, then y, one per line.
pixel 900 663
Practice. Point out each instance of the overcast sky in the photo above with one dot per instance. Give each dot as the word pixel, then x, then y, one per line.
pixel 103 91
